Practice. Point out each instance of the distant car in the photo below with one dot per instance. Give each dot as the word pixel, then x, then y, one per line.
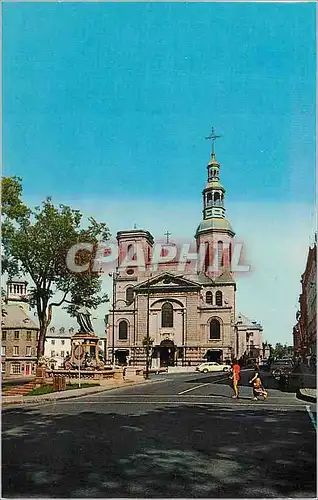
pixel 281 368
pixel 213 366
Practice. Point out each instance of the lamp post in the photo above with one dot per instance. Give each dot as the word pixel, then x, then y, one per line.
pixel 147 335
pixel 79 344
pixel 114 275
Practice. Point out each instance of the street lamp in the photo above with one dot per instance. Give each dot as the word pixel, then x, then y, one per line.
pixel 113 275
pixel 79 344
pixel 147 334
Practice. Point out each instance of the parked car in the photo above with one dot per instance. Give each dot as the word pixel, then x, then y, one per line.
pixel 213 366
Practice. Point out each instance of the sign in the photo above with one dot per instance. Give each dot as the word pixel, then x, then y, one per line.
pixel 78 352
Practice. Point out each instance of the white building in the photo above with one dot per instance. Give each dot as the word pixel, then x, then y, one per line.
pixel 58 345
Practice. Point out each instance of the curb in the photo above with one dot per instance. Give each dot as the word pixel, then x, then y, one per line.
pixel 8 405
pixel 305 397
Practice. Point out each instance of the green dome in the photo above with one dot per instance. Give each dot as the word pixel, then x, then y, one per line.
pixel 214 185
pixel 217 223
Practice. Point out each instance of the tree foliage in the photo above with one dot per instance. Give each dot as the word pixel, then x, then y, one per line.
pixel 36 242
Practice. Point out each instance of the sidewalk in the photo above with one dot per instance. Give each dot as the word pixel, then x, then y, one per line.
pixel 7 401
pixel 309 395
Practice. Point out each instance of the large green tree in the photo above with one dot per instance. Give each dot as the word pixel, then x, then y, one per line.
pixel 36 243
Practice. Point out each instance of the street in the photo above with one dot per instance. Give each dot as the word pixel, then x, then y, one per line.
pixel 175 436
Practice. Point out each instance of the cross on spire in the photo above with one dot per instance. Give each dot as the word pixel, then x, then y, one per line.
pixel 167 234
pixel 213 138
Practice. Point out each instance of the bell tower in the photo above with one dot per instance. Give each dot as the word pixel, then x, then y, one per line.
pixel 214 233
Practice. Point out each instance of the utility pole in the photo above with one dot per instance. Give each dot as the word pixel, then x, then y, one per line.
pixel 147 334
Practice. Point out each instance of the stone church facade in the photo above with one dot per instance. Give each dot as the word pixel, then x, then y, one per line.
pixel 187 309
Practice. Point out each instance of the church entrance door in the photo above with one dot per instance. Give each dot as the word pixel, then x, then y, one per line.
pixel 167 351
pixel 121 357
pixel 213 355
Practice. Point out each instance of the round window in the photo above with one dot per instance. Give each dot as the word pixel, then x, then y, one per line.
pixel 130 271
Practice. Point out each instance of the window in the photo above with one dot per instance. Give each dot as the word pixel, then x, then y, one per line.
pixel 129 295
pixel 15 368
pixel 53 342
pixel 28 350
pixel 16 335
pixel 3 367
pixel 218 298
pixel 167 315
pixel 16 350
pixel 4 335
pixel 131 252
pixel 3 350
pixel 220 253
pixel 62 354
pixel 52 354
pixel 100 342
pixel 215 329
pixel 123 330
pixel 216 196
pixel 28 335
pixel 208 297
pixel 62 342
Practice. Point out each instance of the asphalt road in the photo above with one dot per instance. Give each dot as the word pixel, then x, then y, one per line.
pixel 176 436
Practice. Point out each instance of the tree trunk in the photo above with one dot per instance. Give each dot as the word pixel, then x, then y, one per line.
pixel 42 335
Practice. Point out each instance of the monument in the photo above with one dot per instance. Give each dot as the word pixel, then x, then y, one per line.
pixel 84 344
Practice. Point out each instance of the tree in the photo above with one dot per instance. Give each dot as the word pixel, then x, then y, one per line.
pixel 36 243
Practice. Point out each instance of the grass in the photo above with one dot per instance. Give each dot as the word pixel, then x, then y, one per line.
pixel 47 389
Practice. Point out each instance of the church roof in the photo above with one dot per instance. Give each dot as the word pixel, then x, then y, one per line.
pixel 245 321
pixel 225 277
pixel 217 223
pixel 167 280
pixel 14 316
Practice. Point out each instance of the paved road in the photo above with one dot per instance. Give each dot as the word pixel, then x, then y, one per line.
pixel 176 436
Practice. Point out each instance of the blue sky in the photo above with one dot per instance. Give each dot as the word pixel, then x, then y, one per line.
pixel 106 106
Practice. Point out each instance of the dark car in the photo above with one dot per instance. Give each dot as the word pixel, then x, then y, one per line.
pixel 281 368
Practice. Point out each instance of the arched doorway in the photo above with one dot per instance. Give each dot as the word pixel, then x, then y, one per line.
pixel 213 355
pixel 167 351
pixel 121 357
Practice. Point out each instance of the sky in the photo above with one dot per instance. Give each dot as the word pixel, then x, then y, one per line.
pixel 106 107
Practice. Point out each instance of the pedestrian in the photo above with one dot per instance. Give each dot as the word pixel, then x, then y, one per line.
pixel 235 377
pixel 258 388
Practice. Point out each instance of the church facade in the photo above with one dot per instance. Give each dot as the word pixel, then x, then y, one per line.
pixel 185 311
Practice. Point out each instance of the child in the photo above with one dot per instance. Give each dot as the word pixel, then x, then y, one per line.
pixel 258 389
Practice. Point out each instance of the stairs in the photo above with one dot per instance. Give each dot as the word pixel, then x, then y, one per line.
pixel 19 390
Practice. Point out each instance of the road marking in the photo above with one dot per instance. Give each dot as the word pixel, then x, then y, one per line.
pixel 193 388
pixel 311 416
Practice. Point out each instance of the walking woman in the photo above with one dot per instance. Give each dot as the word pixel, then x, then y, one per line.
pixel 235 376
pixel 258 388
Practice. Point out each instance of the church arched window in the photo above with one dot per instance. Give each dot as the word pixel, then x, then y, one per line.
pixel 216 196
pixel 215 329
pixel 207 256
pixel 131 252
pixel 123 330
pixel 219 298
pixel 220 253
pixel 209 197
pixel 129 295
pixel 167 315
pixel 208 297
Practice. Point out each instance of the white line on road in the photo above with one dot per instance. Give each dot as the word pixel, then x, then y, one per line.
pixel 193 388
pixel 311 416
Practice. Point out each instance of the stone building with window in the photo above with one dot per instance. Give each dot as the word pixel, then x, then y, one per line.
pixel 58 345
pixel 249 338
pixel 19 333
pixel 188 311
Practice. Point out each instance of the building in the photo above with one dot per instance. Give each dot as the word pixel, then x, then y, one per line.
pixel 58 345
pixel 19 332
pixel 305 330
pixel 249 338
pixel 187 311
